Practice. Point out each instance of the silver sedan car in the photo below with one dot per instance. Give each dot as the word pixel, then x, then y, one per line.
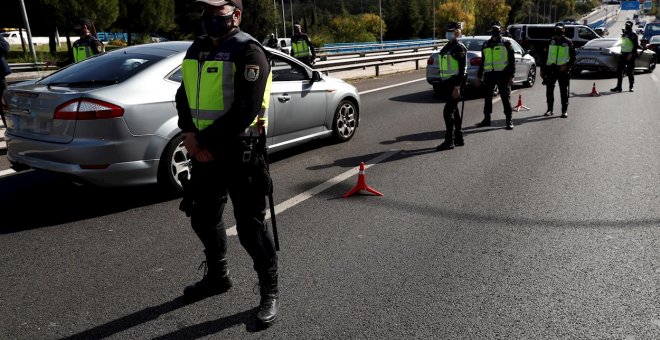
pixel 111 120
pixel 525 63
pixel 602 55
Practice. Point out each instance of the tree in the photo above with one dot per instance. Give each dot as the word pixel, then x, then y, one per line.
pixel 259 18
pixel 145 16
pixel 454 10
pixel 488 11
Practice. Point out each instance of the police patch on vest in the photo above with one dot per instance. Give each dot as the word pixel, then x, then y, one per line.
pixel 212 70
pixel 251 72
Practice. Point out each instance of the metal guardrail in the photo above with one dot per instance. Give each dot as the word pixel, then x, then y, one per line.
pixel 30 67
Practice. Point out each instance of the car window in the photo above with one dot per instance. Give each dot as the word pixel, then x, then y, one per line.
pixel 176 76
pixel 602 43
pixel 473 44
pixel 652 29
pixel 517 48
pixel 110 67
pixel 586 33
pixel 655 39
pixel 286 70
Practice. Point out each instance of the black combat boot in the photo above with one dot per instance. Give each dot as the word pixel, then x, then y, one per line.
pixel 216 281
pixel 269 305
pixel 458 140
pixel 486 121
pixel 616 89
pixel 509 123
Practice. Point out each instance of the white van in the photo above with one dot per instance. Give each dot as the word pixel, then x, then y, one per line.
pixel 13 38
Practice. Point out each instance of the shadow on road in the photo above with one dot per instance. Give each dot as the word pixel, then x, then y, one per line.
pixel 35 199
pixel 152 313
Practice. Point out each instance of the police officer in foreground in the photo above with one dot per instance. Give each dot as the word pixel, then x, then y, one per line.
pixel 88 45
pixel 4 72
pixel 496 68
pixel 222 104
pixel 452 60
pixel 301 47
pixel 560 57
pixel 629 46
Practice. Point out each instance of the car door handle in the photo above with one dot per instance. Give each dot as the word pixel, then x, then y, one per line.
pixel 284 99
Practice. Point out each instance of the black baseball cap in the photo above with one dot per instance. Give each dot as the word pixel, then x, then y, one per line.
pixel 453 25
pixel 560 25
pixel 80 22
pixel 237 3
pixel 495 24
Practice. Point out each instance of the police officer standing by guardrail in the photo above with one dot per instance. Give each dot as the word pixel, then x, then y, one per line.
pixel 4 71
pixel 559 59
pixel 222 103
pixel 629 46
pixel 496 68
pixel 452 67
pixel 301 47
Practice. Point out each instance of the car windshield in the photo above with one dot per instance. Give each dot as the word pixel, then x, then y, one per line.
pixel 652 29
pixel 473 44
pixel 105 69
pixel 602 43
pixel 655 39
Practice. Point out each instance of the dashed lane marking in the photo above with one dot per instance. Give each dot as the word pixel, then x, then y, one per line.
pixel 291 202
pixel 6 172
pixel 391 86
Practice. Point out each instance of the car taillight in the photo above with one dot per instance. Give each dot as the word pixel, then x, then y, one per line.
pixel 475 61
pixel 430 61
pixel 86 109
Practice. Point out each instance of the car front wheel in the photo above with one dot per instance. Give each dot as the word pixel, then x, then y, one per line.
pixel 531 77
pixel 651 64
pixel 174 162
pixel 345 121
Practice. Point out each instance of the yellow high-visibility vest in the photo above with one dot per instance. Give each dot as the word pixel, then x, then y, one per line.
pixel 300 48
pixel 495 58
pixel 558 54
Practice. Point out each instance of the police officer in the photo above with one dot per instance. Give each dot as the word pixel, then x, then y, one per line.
pixel 301 47
pixel 559 59
pixel 272 41
pixel 221 104
pixel 88 45
pixel 496 68
pixel 629 46
pixel 4 72
pixel 452 60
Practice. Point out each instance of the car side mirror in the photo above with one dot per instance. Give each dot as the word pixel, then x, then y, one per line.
pixel 316 76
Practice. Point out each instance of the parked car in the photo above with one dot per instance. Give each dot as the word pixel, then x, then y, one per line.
pixel 602 31
pixel 525 64
pixel 603 55
pixel 654 44
pixel 111 120
pixel 535 38
pixel 650 29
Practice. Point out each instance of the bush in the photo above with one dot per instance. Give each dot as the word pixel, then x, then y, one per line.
pixel 117 42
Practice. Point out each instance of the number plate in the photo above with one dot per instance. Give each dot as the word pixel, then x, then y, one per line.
pixel 587 61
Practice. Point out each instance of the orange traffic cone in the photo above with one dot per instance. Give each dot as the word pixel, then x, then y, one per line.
pixel 361 185
pixel 594 93
pixel 520 105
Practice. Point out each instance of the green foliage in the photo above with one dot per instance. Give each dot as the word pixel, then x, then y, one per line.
pixel 487 11
pixel 454 10
pixel 259 18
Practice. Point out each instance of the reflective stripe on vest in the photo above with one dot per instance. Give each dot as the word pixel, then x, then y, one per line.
pixel 557 55
pixel 495 58
pixel 210 92
pixel 300 48
pixel 626 45
pixel 81 53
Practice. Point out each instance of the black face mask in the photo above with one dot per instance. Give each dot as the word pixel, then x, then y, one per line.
pixel 628 29
pixel 217 25
pixel 559 32
pixel 495 33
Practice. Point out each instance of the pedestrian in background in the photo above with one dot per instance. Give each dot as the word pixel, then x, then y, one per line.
pixel 452 66
pixel 4 72
pixel 88 44
pixel 560 57
pixel 496 68
pixel 629 46
pixel 222 103
pixel 301 47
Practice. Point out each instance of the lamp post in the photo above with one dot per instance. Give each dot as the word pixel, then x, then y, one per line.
pixel 283 21
pixel 291 4
pixel 380 14
pixel 29 33
pixel 433 21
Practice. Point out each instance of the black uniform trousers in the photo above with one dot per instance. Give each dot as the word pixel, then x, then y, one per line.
pixel 3 87
pixel 305 60
pixel 247 184
pixel 629 66
pixel 491 79
pixel 451 115
pixel 564 79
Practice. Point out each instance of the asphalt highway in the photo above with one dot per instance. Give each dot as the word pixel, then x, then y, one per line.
pixel 549 231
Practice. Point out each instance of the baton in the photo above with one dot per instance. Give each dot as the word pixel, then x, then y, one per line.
pixel 271 201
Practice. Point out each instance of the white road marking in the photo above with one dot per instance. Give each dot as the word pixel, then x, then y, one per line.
pixel 391 86
pixel 655 79
pixel 291 202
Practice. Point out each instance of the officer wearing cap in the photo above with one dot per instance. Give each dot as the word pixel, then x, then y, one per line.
pixel 560 57
pixel 301 47
pixel 222 103
pixel 452 60
pixel 496 68
pixel 88 45
pixel 629 46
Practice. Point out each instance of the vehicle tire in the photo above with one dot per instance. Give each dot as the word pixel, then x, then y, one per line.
pixel 175 160
pixel 346 121
pixel 531 77
pixel 651 65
